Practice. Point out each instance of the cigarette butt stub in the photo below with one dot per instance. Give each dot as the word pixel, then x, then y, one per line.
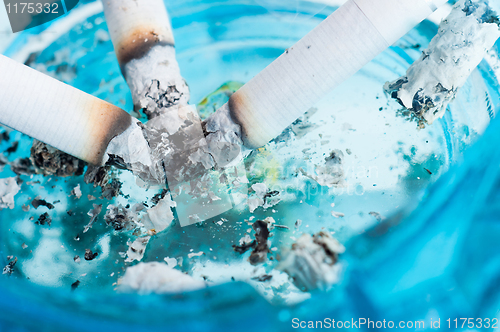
pixel 335 50
pixel 58 114
pixel 136 26
pixel 144 46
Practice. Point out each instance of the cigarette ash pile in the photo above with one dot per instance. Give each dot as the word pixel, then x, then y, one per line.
pixel 434 80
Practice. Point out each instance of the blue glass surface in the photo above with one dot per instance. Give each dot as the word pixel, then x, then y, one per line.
pixel 436 258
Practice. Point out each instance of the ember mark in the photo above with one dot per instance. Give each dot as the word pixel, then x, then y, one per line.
pixel 108 121
pixel 138 43
pixel 241 114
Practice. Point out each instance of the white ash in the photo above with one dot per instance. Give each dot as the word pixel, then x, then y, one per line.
pixel 196 254
pixel 163 148
pixel 156 277
pixel 160 216
pixel 179 153
pixel 77 192
pixel 123 219
pixel 136 249
pixel 93 214
pixel 171 262
pixel 262 197
pixel 312 261
pixel 330 174
pixel 257 199
pixel 213 197
pixel 336 214
pixel 277 289
pixel 155 81
pixel 173 146
pixel 433 81
pixel 271 223
pixel 8 189
pixel 131 150
pixel 245 240
pixel 223 137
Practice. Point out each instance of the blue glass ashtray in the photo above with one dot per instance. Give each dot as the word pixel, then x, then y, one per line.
pixel 416 216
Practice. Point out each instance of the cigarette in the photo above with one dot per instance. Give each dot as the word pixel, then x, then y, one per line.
pixel 58 114
pixel 335 50
pixel 144 46
pixel 433 81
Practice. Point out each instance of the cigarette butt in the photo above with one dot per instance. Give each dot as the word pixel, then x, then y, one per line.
pixel 58 114
pixel 144 45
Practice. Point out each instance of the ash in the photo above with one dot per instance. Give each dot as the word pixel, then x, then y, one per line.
pixel 331 173
pixel 123 219
pixel 50 161
pixel 9 268
pixel 101 177
pixel 89 255
pixel 40 202
pixel 93 214
pixel 155 277
pixel 155 81
pixel 44 219
pixel 136 249
pixel 8 189
pixel 259 253
pixel 312 261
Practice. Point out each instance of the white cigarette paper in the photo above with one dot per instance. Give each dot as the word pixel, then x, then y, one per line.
pixel 336 49
pixel 58 114
pixel 144 45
